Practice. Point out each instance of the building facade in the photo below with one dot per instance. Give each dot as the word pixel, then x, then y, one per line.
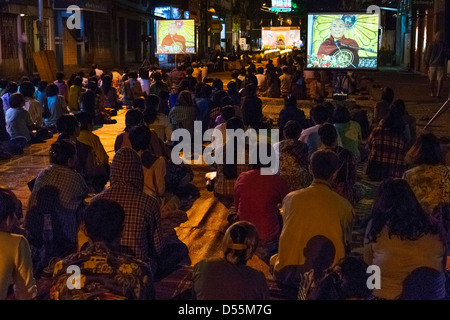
pixel 19 37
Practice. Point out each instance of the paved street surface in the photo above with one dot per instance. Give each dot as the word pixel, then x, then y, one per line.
pixel 206 216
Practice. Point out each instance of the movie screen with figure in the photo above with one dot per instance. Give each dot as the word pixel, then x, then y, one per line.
pixel 343 41
pixel 175 36
pixel 280 37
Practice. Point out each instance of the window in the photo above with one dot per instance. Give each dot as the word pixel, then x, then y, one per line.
pixel 8 36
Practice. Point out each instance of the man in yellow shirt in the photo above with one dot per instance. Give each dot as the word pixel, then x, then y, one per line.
pixel 101 174
pixel 317 226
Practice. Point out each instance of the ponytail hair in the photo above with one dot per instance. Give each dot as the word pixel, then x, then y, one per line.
pixel 240 242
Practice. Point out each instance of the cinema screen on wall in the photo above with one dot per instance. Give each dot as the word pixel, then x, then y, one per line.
pixel 175 36
pixel 342 41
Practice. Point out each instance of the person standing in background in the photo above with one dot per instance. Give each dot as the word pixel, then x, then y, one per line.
pixel 435 59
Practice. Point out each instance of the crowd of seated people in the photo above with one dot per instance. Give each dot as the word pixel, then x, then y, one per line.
pixel 298 220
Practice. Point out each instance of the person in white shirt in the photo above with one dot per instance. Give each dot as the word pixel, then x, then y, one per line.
pixel 144 79
pixel 262 80
pixel 16 266
pixel 204 69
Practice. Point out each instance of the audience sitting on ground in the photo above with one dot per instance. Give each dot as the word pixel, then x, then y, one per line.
pixel 102 115
pixel 69 130
pixel 11 88
pixel 63 89
pixel 203 102
pixel 273 83
pixel 229 277
pixel 227 173
pixel 381 109
pixel 103 221
pixel 131 90
pixel 6 148
pixel 158 86
pixel 144 79
pixel 317 228
pixel 346 281
pixel 349 131
pixel 163 106
pixel 291 112
pixel 345 180
pixel 215 107
pixel 397 231
pixel 319 115
pixel 133 118
pixel 54 106
pixel 251 107
pixel 157 121
pixel 285 82
pixel 16 266
pixel 173 96
pixel 257 197
pixel 154 167
pixel 139 104
pixel 54 207
pixel 233 92
pixel 32 105
pixel 293 157
pixel 40 92
pixel 410 122
pixel 3 86
pixel 226 101
pixel 219 135
pixel 111 95
pixel 19 124
pixel 298 85
pixel 142 234
pixel 101 158
pixel 387 147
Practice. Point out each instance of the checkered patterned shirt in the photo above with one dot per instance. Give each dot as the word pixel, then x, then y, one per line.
pixel 141 236
pixel 224 187
pixel 387 152
pixel 184 116
pixel 70 189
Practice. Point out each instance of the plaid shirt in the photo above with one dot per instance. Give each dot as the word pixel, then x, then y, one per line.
pixel 184 117
pixel 141 236
pixel 60 191
pixel 224 187
pixel 387 153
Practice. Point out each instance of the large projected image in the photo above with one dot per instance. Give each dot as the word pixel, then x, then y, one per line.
pixel 175 36
pixel 280 37
pixel 343 41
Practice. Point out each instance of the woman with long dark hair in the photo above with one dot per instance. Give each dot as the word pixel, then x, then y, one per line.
pixel 429 178
pixel 400 238
pixel 111 97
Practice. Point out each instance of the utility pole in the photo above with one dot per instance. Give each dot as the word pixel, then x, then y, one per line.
pixel 41 25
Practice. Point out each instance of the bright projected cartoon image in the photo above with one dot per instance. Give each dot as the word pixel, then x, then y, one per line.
pixel 343 41
pixel 175 36
pixel 280 37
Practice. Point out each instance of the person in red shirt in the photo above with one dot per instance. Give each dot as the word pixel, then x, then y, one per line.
pixel 257 198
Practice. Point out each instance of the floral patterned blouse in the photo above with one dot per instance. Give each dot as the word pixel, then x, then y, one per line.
pixel 105 275
pixel 294 164
pixel 430 184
